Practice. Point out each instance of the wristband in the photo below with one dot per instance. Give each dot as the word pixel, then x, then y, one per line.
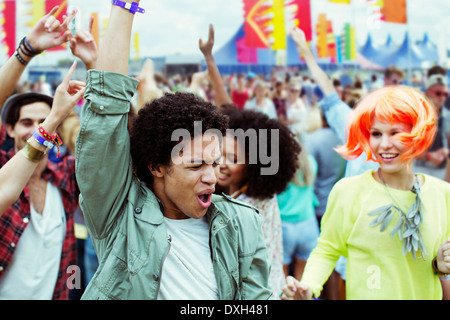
pixel 132 7
pixel 29 47
pixel 41 140
pixel 51 138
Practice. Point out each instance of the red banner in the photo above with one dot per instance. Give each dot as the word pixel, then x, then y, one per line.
pixel 9 26
pixel 303 17
pixel 254 26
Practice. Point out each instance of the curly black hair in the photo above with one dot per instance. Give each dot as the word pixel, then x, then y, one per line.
pixel 151 131
pixel 264 186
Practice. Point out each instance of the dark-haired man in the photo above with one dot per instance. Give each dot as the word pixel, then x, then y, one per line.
pixel 162 234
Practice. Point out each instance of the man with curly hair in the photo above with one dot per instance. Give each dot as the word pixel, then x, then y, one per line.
pixel 158 230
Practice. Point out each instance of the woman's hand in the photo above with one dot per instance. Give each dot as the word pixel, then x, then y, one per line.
pixel 299 38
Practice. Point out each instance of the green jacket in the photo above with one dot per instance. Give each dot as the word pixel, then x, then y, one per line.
pixel 125 220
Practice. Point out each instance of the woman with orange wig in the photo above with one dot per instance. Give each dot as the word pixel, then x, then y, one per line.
pixel 392 224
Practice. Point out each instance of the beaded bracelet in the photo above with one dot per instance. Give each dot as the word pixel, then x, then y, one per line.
pixel 21 60
pixel 55 139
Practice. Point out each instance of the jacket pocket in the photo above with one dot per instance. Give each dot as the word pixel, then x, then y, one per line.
pixel 112 278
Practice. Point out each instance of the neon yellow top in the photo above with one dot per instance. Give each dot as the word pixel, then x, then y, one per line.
pixel 376 267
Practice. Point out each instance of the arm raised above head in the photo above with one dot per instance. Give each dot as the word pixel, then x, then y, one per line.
pixel 115 48
pixel 222 96
pixel 46 34
pixel 318 74
pixel 102 146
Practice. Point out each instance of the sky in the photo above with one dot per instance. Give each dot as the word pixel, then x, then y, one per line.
pixel 174 26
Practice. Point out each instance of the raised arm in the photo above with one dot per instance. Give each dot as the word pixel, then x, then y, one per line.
pixel 46 34
pixel 14 175
pixel 103 160
pixel 221 96
pixel 115 49
pixel 317 73
pixel 335 110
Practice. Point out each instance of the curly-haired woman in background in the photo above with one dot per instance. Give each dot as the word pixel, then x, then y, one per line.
pixel 260 159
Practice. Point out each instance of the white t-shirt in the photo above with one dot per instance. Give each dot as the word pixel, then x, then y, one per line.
pixel 33 269
pixel 187 272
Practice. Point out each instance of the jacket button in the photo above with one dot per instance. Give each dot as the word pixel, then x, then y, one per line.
pixel 155 277
pixel 138 210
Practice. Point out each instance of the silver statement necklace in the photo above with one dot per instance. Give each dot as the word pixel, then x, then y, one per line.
pixel 407 224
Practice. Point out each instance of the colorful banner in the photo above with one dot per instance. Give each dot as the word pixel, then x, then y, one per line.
pixel 136 46
pixel 394 11
pixel 244 53
pixel 8 23
pixel 322 30
pixel 350 42
pixel 374 15
pixel 279 26
pixel 96 29
pixel 255 25
pixel 331 42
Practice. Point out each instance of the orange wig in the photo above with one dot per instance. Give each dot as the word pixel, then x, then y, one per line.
pixel 392 104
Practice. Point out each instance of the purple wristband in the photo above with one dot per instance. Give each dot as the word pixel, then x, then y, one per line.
pixel 132 7
pixel 41 140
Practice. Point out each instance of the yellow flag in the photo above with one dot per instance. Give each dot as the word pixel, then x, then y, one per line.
pixel 37 11
pixel 95 29
pixel 278 21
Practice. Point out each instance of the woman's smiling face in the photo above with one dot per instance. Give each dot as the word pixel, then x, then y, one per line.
pixel 232 169
pixel 386 147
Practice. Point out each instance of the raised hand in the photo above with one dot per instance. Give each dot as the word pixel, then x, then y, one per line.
pixel 50 32
pixel 299 38
pixel 206 47
pixel 84 47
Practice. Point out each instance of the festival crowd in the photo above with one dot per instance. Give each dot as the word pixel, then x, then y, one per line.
pixel 283 186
